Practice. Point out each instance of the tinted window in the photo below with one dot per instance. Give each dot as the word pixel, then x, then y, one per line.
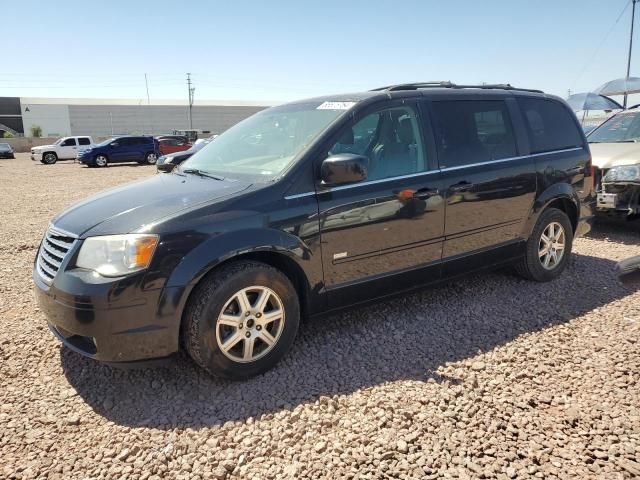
pixel 69 142
pixel 472 132
pixel 550 124
pixel 389 139
pixel 84 141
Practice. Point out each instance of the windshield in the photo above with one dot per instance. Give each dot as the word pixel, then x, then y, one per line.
pixel 623 127
pixel 59 141
pixel 261 147
pixel 4 146
pixel 105 143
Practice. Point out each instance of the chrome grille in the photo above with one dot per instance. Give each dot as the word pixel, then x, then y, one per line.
pixel 56 245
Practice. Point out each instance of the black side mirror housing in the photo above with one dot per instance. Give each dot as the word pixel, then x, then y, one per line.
pixel 344 168
pixel 628 271
pixel 113 145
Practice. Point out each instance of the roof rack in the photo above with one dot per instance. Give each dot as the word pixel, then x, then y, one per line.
pixel 447 84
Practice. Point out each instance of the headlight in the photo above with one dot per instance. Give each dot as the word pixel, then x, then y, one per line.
pixel 117 255
pixel 624 173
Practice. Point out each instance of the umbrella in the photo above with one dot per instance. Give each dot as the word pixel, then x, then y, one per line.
pixel 620 86
pixel 592 101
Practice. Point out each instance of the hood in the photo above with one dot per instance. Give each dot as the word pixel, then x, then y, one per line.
pixel 135 205
pixel 607 155
pixel 43 147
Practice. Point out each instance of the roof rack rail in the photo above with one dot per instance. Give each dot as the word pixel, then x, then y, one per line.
pixel 447 84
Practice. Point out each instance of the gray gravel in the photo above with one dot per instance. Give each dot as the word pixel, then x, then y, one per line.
pixel 487 377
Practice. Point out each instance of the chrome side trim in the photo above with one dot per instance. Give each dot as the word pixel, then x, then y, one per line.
pixel 382 180
pixel 299 195
pixel 447 169
pixel 509 159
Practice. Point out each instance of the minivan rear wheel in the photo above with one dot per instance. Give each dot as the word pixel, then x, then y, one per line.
pixel 548 249
pixel 151 158
pixel 241 320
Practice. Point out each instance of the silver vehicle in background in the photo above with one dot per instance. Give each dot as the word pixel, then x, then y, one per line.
pixel 615 149
pixel 6 151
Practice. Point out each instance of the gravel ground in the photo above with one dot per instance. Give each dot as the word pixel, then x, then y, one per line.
pixel 487 377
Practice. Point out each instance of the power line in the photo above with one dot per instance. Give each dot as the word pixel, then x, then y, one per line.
pixel 597 50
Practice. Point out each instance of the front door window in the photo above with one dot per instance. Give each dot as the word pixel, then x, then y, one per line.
pixel 390 139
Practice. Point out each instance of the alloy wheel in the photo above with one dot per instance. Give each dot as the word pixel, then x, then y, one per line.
pixel 250 324
pixel 552 245
pixel 101 160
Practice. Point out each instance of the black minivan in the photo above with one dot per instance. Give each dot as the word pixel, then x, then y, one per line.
pixel 310 207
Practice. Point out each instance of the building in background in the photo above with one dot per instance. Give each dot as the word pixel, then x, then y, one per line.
pixel 104 117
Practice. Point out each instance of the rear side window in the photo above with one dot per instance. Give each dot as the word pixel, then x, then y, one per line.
pixel 550 124
pixel 469 132
pixel 84 141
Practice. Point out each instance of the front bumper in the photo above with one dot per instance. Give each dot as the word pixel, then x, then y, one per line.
pixel 36 157
pixel 114 321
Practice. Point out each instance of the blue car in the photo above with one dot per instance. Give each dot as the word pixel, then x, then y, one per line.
pixel 141 149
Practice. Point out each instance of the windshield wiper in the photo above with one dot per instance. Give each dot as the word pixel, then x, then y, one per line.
pixel 201 173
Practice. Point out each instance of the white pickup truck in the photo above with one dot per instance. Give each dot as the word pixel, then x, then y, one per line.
pixel 66 148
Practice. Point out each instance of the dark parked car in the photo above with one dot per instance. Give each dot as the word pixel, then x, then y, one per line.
pixel 310 207
pixel 6 151
pixel 141 149
pixel 166 163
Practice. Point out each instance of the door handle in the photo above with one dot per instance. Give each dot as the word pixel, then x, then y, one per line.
pixel 463 186
pixel 425 193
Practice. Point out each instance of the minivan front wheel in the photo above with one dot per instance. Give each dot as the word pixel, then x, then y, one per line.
pixel 548 249
pixel 101 161
pixel 241 320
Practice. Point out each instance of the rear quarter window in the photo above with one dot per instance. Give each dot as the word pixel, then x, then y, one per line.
pixel 551 126
pixel 84 141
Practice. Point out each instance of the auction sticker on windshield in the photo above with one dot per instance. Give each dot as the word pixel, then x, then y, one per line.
pixel 336 106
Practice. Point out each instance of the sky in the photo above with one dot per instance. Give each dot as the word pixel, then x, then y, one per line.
pixel 285 50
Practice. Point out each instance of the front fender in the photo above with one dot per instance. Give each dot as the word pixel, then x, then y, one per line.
pixel 217 249
pixel 557 191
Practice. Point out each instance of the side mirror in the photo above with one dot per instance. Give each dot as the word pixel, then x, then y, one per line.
pixel 114 144
pixel 343 168
pixel 628 271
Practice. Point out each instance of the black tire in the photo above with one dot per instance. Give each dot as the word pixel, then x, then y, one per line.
pixel 101 160
pixel 49 158
pixel 150 158
pixel 200 321
pixel 531 266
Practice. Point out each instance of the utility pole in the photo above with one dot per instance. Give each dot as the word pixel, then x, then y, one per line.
pixel 191 91
pixel 633 14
